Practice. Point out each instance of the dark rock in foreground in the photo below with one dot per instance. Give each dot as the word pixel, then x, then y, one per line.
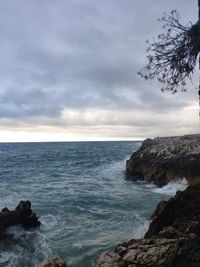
pixel 153 253
pixel 177 217
pixel 173 238
pixel 55 261
pixel 164 159
pixel 22 215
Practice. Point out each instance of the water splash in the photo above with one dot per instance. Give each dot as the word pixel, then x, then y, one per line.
pixel 172 187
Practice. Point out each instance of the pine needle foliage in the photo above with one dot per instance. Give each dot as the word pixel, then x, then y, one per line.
pixel 173 54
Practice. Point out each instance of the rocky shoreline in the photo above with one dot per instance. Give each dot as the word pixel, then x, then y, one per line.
pixel 173 236
pixel 164 159
pixel 172 240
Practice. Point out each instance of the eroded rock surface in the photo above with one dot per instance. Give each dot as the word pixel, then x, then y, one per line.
pixel 154 253
pixel 172 240
pixel 164 159
pixel 55 261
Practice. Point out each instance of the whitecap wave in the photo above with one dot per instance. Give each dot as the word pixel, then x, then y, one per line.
pixel 8 258
pixel 172 187
pixel 142 225
pixel 23 248
pixel 49 221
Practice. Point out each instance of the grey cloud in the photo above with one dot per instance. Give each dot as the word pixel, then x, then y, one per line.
pixel 24 104
pixel 66 54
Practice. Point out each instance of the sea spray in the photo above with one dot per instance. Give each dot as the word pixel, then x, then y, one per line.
pixel 172 187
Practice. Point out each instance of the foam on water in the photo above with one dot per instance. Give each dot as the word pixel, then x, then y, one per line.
pixel 172 187
pixel 141 228
pixel 22 248
pixel 48 221
pixel 79 190
pixel 16 232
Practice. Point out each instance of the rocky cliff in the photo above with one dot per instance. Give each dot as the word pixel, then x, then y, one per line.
pixel 164 159
pixel 172 240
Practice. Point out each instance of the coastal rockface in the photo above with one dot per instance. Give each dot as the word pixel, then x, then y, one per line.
pixel 164 159
pixel 22 215
pixel 54 261
pixel 172 240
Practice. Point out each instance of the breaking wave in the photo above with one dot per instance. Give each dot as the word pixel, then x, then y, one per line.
pixel 172 187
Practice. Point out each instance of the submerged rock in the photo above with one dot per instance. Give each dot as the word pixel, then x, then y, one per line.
pixel 22 215
pixel 165 159
pixel 55 261
pixel 172 240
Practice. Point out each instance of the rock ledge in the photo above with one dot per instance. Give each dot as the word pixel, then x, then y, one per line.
pixel 164 159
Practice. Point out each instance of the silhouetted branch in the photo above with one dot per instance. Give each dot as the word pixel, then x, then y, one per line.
pixel 172 56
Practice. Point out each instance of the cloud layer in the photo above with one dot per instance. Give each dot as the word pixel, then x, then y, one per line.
pixel 71 66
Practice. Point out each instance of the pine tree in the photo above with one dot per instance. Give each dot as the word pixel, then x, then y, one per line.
pixel 172 56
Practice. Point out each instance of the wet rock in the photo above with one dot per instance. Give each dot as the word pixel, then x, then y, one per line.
pixel 108 259
pixel 55 261
pixel 22 215
pixel 172 240
pixel 181 213
pixel 164 159
pixel 155 253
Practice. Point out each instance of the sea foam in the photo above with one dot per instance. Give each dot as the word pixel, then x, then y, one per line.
pixel 172 187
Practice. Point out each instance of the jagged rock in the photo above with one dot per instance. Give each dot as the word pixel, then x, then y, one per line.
pixel 55 261
pixel 164 159
pixel 181 213
pixel 22 215
pixel 172 240
pixel 182 252
pixel 108 259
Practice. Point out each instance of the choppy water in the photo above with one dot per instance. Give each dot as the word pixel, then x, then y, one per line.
pixel 84 200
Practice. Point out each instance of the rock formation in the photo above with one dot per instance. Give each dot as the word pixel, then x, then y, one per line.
pixel 164 159
pixel 22 215
pixel 55 261
pixel 173 238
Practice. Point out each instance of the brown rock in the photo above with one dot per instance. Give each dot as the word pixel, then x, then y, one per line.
pixel 179 252
pixel 108 260
pixel 55 261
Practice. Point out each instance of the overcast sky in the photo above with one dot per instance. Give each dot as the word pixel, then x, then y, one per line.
pixel 68 71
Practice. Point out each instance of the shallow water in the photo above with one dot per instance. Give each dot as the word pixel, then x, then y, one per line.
pixel 81 193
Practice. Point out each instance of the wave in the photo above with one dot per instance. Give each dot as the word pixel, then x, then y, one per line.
pixel 141 227
pixel 23 248
pixel 172 187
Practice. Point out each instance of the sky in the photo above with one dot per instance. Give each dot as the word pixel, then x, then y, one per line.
pixel 68 72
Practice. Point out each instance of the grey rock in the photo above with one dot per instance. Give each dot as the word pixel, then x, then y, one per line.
pixel 165 159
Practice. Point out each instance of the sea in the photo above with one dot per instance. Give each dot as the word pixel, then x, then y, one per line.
pixel 86 203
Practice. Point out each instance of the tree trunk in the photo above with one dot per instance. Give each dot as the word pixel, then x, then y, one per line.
pixel 199 8
pixel 199 56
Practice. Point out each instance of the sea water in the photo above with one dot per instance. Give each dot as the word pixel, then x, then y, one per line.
pixel 81 193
